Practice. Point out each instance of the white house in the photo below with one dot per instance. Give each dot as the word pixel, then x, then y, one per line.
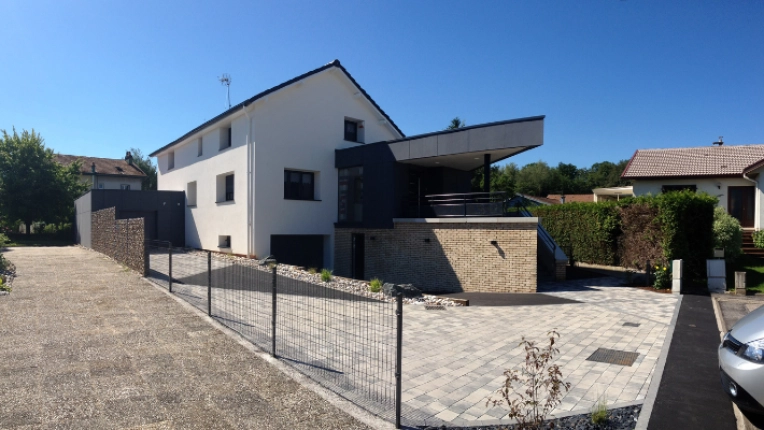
pixel 262 174
pixel 732 173
pixel 107 173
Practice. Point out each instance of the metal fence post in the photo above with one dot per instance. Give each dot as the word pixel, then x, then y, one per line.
pixel 209 283
pixel 169 248
pixel 398 359
pixel 273 312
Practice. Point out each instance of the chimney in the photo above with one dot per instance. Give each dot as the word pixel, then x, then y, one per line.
pixel 720 142
pixel 129 158
pixel 92 168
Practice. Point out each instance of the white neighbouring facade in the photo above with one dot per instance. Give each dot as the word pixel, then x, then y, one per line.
pixel 731 173
pixel 293 127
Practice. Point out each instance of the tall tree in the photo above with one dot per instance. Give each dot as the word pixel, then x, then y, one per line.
pixel 145 163
pixel 456 123
pixel 33 186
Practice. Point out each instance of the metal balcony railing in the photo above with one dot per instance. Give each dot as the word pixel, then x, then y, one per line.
pixel 460 205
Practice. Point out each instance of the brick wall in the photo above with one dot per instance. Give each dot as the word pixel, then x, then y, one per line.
pixel 120 239
pixel 458 256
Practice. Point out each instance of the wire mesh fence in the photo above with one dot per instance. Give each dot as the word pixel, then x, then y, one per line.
pixel 346 342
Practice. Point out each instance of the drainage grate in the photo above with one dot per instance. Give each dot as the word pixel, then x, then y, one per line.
pixel 434 307
pixel 613 356
pixel 630 324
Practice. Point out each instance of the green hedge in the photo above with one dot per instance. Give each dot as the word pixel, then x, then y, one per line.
pixel 628 232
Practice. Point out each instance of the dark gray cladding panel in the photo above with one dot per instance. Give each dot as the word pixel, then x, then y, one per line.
pixel 400 150
pixel 424 148
pixel 454 143
pixel 488 138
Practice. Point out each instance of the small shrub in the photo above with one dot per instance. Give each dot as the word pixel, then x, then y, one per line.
pixel 4 286
pixel 523 389
pixel 326 275
pixel 758 238
pixel 727 234
pixel 662 277
pixel 3 239
pixel 312 270
pixel 599 413
pixel 375 285
pixel 3 262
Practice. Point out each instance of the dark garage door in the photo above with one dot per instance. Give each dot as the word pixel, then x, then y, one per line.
pixel 298 249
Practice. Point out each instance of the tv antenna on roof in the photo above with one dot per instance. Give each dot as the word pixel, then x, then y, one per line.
pixel 225 79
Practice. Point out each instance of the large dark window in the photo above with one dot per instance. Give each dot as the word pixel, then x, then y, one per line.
pixel 229 188
pixel 350 195
pixel 351 131
pixel 298 185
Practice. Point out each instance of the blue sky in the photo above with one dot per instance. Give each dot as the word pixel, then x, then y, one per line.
pixel 612 76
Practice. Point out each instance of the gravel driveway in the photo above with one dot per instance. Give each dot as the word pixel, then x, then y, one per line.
pixel 85 343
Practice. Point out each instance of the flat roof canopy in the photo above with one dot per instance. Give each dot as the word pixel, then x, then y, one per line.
pixel 464 148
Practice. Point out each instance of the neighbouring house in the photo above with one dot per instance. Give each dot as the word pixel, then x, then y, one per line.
pixel 107 173
pixel 571 198
pixel 732 173
pixel 315 173
pixel 538 200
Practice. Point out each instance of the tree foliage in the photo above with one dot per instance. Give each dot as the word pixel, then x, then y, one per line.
pixel 728 234
pixel 33 186
pixel 145 163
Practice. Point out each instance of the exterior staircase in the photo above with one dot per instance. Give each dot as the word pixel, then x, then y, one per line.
pixel 748 246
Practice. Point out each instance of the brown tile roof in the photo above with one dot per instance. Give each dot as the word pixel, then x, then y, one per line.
pixel 570 198
pixel 725 160
pixel 104 166
pixel 542 200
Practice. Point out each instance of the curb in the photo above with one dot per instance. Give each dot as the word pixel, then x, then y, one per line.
pixel 652 392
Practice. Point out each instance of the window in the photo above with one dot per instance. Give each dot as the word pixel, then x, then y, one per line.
pixel 224 241
pixel 191 194
pixel 229 188
pixel 225 138
pixel 124 186
pixel 668 188
pixel 350 195
pixel 298 185
pixel 351 131
pixel 171 160
pixel 199 149
pixel 224 188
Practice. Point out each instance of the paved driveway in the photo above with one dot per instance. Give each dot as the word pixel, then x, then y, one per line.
pixel 87 344
pixel 454 358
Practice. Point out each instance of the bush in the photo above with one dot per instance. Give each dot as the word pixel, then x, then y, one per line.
pixel 758 238
pixel 375 285
pixel 662 277
pixel 326 275
pixel 3 239
pixel 727 234
pixel 3 262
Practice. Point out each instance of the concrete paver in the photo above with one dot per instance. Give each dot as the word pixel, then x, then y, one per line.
pixel 87 344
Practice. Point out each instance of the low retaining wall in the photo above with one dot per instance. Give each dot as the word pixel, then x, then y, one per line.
pixel 120 239
pixel 447 255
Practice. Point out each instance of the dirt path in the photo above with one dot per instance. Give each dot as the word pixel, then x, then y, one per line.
pixel 85 343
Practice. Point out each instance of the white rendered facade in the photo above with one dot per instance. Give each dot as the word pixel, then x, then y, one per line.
pixel 294 128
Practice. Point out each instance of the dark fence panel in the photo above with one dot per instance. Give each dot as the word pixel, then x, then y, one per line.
pixel 344 341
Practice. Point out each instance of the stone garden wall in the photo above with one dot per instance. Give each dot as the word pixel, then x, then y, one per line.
pixel 120 239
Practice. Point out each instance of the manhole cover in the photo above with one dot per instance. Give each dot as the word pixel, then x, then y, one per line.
pixel 630 324
pixel 614 356
pixel 434 307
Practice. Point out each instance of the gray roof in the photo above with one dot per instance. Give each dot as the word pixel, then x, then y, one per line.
pixel 703 161
pixel 104 166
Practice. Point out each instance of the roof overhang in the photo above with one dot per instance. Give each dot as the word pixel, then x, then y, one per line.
pixel 464 148
pixel 614 191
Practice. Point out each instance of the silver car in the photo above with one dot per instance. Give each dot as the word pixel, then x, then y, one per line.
pixel 741 362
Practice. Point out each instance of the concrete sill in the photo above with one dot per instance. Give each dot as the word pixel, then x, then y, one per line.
pixel 225 202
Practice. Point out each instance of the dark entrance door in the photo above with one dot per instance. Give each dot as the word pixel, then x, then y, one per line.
pixel 740 204
pixel 358 255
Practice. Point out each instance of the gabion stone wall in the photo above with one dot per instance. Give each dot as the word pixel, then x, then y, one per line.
pixel 120 239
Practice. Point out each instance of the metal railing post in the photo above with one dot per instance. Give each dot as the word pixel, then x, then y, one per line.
pixel 209 283
pixel 169 248
pixel 398 359
pixel 273 313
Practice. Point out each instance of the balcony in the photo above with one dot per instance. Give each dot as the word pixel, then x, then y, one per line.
pixel 484 204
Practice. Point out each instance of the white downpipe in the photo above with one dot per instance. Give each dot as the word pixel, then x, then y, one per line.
pixel 250 187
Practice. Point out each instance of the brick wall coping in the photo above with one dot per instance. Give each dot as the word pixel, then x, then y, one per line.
pixel 469 220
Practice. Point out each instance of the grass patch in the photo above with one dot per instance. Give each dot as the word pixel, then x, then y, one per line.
pixel 754 272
